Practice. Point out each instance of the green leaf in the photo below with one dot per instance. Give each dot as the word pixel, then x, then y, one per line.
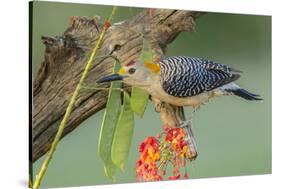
pixel 139 99
pixel 109 123
pixel 123 134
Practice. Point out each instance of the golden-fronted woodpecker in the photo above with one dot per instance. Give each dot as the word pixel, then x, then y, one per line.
pixel 182 80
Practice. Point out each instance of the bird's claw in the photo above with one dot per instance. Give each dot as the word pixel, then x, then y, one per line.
pixel 158 106
pixel 191 145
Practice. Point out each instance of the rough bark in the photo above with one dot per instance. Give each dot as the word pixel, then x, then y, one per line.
pixel 65 58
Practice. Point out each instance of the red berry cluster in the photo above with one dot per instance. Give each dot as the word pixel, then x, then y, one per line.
pixel 146 165
pixel 157 152
pixel 106 24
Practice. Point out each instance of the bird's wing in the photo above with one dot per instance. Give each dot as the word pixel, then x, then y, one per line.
pixel 185 76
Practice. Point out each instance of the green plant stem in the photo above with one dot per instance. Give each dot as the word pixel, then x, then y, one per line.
pixel 62 125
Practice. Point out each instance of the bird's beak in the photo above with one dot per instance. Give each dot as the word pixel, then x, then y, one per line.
pixel 109 78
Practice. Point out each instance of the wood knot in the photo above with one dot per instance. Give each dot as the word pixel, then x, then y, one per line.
pixel 58 44
pixel 83 21
pixel 188 24
pixel 53 44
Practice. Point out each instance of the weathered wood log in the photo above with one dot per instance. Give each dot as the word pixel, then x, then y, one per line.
pixel 65 58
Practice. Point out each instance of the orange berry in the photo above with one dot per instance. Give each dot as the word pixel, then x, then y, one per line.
pixel 106 24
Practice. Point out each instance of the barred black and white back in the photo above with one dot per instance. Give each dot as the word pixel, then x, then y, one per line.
pixel 183 76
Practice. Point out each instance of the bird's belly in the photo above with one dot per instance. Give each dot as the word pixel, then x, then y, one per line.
pixel 185 101
pixel 194 101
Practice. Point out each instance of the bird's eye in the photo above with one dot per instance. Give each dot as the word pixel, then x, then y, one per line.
pixel 131 70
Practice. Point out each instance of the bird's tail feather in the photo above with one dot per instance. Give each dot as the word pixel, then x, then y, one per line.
pixel 245 94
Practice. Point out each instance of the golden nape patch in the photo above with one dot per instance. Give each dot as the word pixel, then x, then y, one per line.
pixel 122 71
pixel 153 67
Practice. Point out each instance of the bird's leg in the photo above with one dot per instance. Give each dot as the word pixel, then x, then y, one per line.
pixel 173 116
pixel 191 145
pixel 186 124
pixel 158 105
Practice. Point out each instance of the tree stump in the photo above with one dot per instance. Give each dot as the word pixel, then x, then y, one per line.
pixel 65 58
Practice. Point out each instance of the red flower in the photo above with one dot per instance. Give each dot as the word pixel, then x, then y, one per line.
pixel 156 155
pixel 146 165
pixel 174 177
pixel 186 176
pixel 142 147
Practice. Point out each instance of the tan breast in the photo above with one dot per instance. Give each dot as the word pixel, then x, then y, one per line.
pixel 156 90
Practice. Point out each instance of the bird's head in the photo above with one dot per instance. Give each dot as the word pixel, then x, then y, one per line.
pixel 134 73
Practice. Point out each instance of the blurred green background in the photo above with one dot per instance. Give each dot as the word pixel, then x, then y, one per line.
pixel 233 135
